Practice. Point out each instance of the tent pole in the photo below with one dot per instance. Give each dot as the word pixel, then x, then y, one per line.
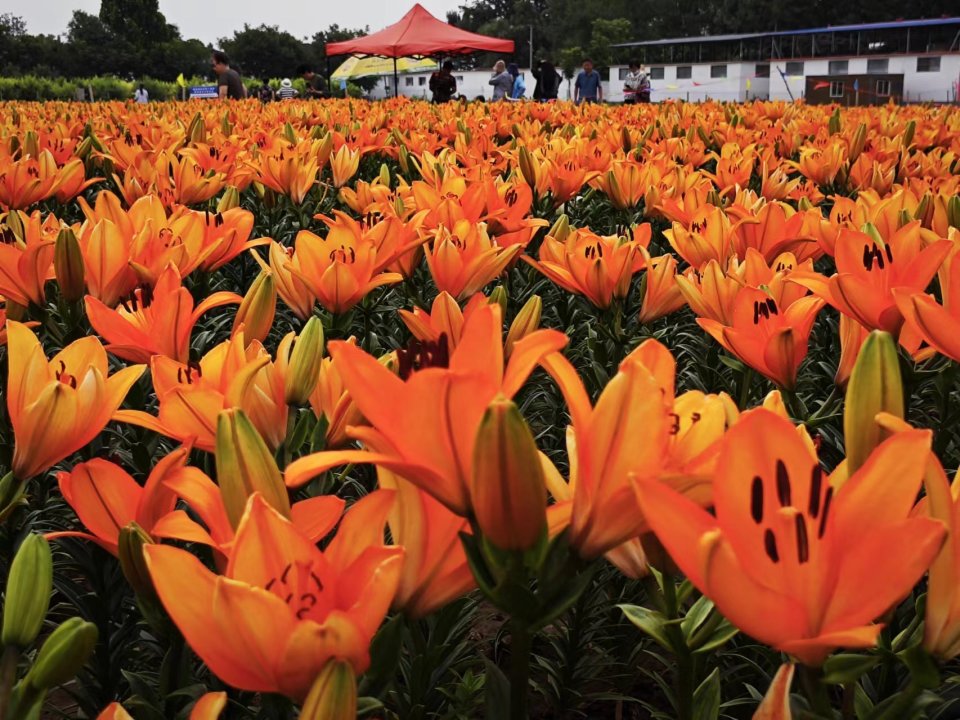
pixel 396 79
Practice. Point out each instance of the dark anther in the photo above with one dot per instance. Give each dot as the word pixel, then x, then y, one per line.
pixel 803 545
pixel 770 545
pixel 783 484
pixel 826 512
pixel 418 355
pixel 889 253
pixel 756 499
pixel 772 305
pixel 816 481
pixel 674 424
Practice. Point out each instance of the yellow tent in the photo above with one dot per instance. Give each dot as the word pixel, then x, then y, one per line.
pixel 356 67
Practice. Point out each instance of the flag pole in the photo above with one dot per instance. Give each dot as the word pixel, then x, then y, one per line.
pixel 396 79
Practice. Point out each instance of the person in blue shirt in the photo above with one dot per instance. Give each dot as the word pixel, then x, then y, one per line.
pixel 588 87
pixel 502 81
pixel 519 87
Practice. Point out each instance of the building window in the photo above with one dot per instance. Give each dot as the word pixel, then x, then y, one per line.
pixel 836 89
pixel 718 71
pixel 623 73
pixel 421 80
pixel 762 71
pixel 408 81
pixel 883 88
pixel 928 64
pixel 879 66
pixel 794 68
pixel 656 73
pixel 837 67
pixel 684 72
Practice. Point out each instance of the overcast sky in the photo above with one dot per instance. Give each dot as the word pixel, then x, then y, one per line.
pixel 212 19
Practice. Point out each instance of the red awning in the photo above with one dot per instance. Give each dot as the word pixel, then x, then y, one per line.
pixel 420 34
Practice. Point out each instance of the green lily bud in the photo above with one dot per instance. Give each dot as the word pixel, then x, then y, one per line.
pixel 68 265
pixel 834 124
pixel 953 211
pixel 63 654
pixel 11 488
pixel 197 130
pixel 908 133
pixel 333 695
pixel 507 488
pixel 384 175
pixel 526 321
pixel 230 200
pixel 858 141
pixel 226 127
pixel 560 229
pixel 528 168
pixel 289 134
pixel 130 552
pixel 258 307
pixel 15 223
pixel 303 369
pixel 245 465
pixel 28 592
pixel 499 297
pixel 874 387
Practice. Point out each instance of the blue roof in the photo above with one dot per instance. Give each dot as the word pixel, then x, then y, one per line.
pixel 895 24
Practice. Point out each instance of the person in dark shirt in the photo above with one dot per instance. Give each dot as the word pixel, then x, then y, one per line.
pixel 229 84
pixel 316 84
pixel 443 84
pixel 548 82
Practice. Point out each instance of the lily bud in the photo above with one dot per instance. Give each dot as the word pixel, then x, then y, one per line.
pixel 303 369
pixel 226 127
pixel 834 124
pixel 953 211
pixel 804 204
pixel 858 141
pixel 403 157
pixel 560 229
pixel 15 223
pixel 325 150
pixel 230 200
pixel 31 144
pixel 68 265
pixel 28 592
pixel 499 297
pixel 871 230
pixel 333 695
pixel 257 308
pixel 528 168
pixel 245 465
pixel 526 321
pixel 384 175
pixel 289 134
pixel 874 387
pixel 507 488
pixel 63 654
pixel 197 131
pixel 11 488
pixel 132 563
pixel 907 137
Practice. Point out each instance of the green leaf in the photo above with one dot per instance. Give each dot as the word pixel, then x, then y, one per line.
pixel 923 668
pixel 720 637
pixel 651 622
pixel 706 698
pixel 847 667
pixel 385 652
pixel 368 705
pixel 696 616
pixel 496 692
pixel 478 565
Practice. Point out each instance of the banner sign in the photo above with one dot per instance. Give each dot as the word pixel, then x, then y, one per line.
pixel 203 92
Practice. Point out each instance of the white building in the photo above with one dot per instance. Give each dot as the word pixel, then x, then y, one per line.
pixel 909 61
pixel 471 83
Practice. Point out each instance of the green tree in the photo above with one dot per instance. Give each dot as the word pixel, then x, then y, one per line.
pixel 604 35
pixel 138 21
pixel 266 51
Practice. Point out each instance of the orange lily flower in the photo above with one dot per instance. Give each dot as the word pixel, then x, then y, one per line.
pixel 869 269
pixel 72 181
pixel 816 561
pixel 444 319
pixel 208 707
pixel 452 389
pixel 106 499
pixel 285 266
pixel 184 181
pixel 435 568
pixel 775 229
pixel 678 447
pixel 227 235
pixel 343 267
pixel 233 374
pixel 938 325
pixel 27 263
pixel 822 165
pixel 710 291
pixel 155 321
pixel 283 608
pixel 58 406
pixel 770 338
pixel 293 174
pixel 344 165
pixel 599 268
pixel 625 183
pixel 709 237
pixel 852 337
pixel 507 213
pixel 661 294
pixel 463 259
pixel 28 180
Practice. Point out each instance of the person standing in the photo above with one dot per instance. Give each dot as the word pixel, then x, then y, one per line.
pixel 588 87
pixel 548 82
pixel 265 93
pixel 519 88
pixel 632 83
pixel 229 84
pixel 316 84
pixel 141 96
pixel 501 80
pixel 287 91
pixel 443 84
pixel 643 94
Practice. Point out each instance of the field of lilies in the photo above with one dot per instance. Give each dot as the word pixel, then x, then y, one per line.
pixel 395 410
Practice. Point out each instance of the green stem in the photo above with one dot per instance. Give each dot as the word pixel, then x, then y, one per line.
pixel 746 380
pixel 8 675
pixel 520 645
pixel 685 677
pixel 815 690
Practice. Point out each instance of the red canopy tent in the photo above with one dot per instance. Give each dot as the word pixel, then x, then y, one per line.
pixel 419 34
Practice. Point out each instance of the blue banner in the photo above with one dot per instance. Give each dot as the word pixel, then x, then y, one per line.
pixel 204 92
